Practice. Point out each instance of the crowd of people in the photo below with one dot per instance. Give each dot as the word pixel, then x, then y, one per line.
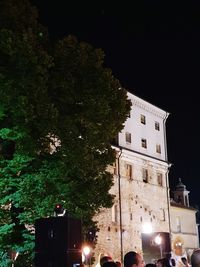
pixel 134 259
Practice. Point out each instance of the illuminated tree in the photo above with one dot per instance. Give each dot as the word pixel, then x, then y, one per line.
pixel 59 109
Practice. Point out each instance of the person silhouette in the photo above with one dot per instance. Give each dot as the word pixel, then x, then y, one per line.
pixel 133 259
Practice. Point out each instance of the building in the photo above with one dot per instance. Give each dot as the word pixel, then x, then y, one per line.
pixel 140 182
pixel 140 217
pixel 184 229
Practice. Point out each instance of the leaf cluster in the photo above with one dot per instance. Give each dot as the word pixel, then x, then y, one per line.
pixel 59 110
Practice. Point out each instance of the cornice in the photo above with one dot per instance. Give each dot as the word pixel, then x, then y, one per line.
pixel 143 104
pixel 177 205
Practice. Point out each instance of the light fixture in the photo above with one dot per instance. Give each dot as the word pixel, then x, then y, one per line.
pixel 147 228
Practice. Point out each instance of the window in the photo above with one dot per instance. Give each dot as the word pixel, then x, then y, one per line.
pixel 158 149
pixel 128 171
pixel 144 143
pixel 142 119
pixel 160 179
pixel 162 214
pixel 145 175
pixel 178 224
pixel 157 126
pixel 186 201
pixel 128 137
pixel 114 165
pixel 114 213
pixel 180 200
pixel 115 141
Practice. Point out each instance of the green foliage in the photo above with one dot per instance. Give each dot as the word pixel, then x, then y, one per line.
pixel 59 109
pixel 5 260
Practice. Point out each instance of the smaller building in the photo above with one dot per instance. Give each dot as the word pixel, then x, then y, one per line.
pixel 184 228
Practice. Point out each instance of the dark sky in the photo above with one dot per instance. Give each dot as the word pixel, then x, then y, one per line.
pixel 154 51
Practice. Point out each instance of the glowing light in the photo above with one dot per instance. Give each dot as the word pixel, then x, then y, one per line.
pixel 147 228
pixel 158 240
pixel 86 250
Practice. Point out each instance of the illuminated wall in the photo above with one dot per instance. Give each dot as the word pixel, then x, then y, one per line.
pixel 143 176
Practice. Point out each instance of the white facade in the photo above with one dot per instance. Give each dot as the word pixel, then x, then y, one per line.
pixel 153 116
pixel 184 229
pixel 140 182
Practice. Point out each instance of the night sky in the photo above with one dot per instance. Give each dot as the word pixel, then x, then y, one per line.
pixel 154 51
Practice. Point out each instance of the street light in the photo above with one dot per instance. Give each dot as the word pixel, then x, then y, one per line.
pixel 86 252
pixel 158 241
